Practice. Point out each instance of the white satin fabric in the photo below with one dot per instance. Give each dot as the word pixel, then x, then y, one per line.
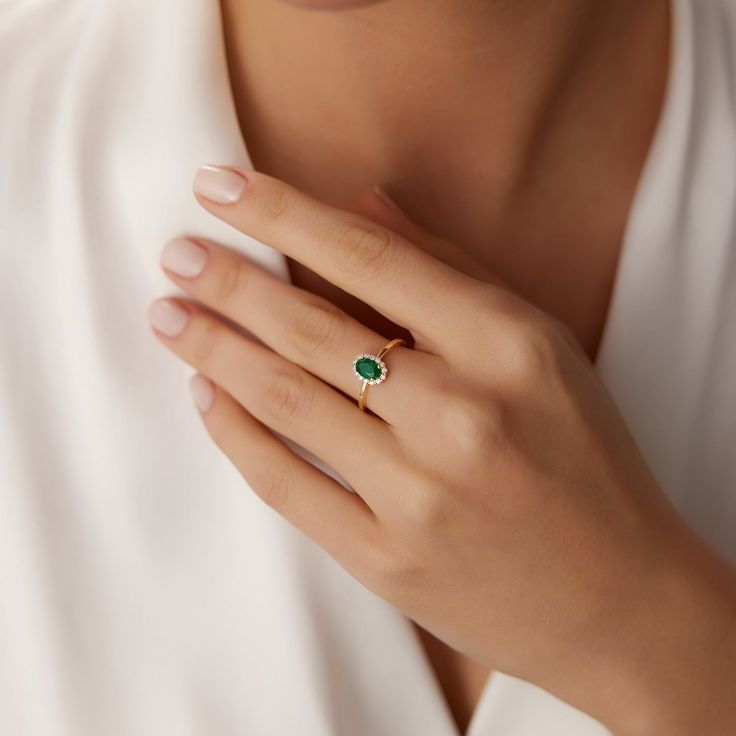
pixel 144 589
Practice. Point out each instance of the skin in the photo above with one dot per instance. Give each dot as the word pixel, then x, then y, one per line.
pixel 569 490
pixel 417 117
pixel 515 85
pixel 503 459
pixel 334 101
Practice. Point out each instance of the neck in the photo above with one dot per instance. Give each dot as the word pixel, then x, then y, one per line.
pixel 385 81
pixel 515 129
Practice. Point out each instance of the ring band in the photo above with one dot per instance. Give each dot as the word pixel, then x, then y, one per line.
pixel 371 369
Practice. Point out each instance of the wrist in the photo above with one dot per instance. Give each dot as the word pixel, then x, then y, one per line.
pixel 680 677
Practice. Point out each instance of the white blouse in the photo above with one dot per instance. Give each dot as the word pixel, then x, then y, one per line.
pixel 144 588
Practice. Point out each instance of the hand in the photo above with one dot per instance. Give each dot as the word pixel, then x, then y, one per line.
pixel 500 500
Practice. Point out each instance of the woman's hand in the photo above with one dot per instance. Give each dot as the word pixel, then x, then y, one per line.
pixel 500 502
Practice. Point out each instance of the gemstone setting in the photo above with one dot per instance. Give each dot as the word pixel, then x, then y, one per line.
pixel 369 368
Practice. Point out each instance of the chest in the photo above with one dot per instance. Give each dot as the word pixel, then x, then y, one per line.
pixel 558 272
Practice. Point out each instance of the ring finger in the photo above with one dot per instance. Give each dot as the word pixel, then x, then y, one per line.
pixel 281 395
pixel 299 325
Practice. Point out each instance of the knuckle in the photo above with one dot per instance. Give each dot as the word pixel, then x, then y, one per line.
pixel 363 250
pixel 499 303
pixel 439 383
pixel 425 506
pixel 286 397
pixel 207 343
pixel 275 201
pixel 273 488
pixel 474 428
pixel 393 573
pixel 229 282
pixel 530 353
pixel 504 314
pixel 316 327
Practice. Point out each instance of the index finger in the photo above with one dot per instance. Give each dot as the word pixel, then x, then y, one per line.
pixel 366 259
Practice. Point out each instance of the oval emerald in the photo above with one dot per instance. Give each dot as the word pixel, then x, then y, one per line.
pixel 368 368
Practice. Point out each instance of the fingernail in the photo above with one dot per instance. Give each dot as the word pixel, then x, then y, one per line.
pixel 202 390
pixel 184 257
pixel 167 317
pixel 218 184
pixel 383 196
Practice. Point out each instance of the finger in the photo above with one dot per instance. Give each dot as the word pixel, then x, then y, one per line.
pixel 366 259
pixel 280 394
pixel 301 326
pixel 374 203
pixel 312 501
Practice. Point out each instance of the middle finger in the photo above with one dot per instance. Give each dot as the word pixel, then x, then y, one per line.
pixel 281 395
pixel 299 325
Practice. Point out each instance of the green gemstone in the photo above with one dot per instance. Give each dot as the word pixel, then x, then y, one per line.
pixel 368 368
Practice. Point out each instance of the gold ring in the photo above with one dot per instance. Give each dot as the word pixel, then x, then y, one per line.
pixel 371 369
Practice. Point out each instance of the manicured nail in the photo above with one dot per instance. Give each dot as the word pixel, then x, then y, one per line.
pixel 218 184
pixel 184 257
pixel 203 391
pixel 167 317
pixel 383 196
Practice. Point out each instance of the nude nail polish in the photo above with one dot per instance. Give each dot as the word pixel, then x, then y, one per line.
pixel 184 257
pixel 202 391
pixel 167 317
pixel 218 184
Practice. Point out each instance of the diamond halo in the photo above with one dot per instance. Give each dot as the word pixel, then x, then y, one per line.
pixel 377 361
